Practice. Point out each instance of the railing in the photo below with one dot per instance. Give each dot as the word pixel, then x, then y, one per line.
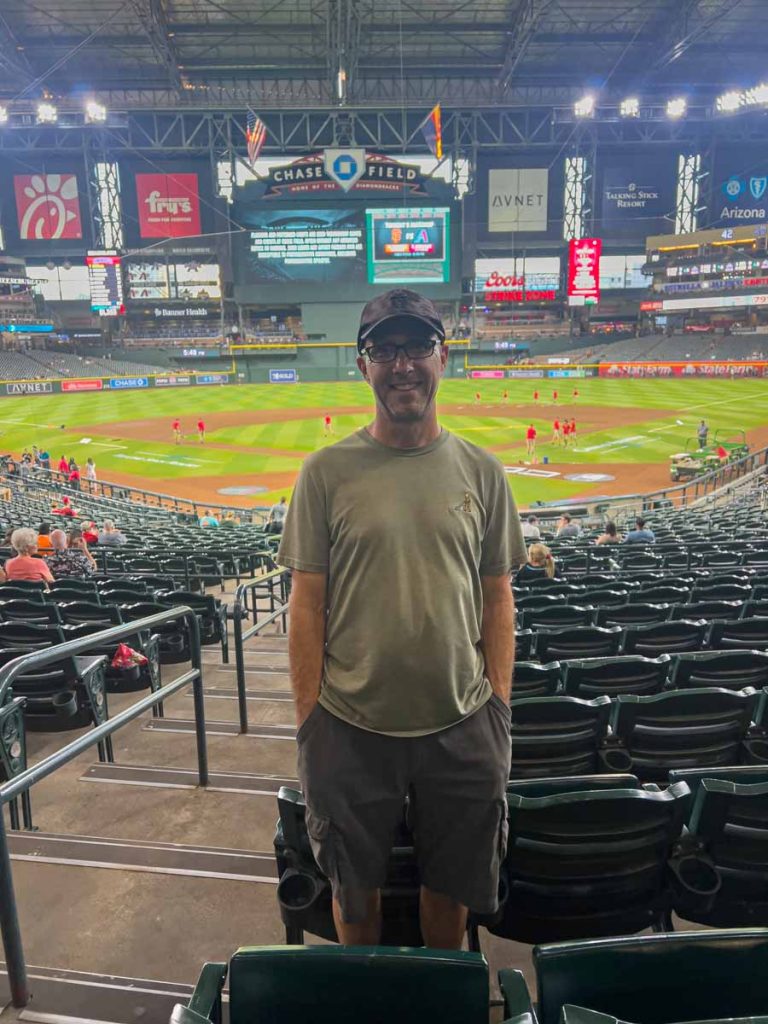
pixel 275 580
pixel 9 918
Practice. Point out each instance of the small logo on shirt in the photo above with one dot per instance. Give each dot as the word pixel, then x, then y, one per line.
pixel 465 505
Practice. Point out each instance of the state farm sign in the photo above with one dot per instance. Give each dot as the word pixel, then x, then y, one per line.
pixel 168 205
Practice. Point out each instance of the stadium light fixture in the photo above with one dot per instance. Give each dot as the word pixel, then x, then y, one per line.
pixel 630 107
pixel 729 102
pixel 757 96
pixel 47 113
pixel 585 107
pixel 3 115
pixel 676 107
pixel 95 113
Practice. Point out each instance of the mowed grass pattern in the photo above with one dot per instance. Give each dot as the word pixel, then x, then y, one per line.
pixel 58 422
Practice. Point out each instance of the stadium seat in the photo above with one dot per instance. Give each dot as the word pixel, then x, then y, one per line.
pixel 30 635
pixel 755 609
pixel 679 729
pixel 603 597
pixel 529 600
pixel 558 615
pixel 174 639
pixel 591 677
pixel 665 638
pixel 73 590
pixel 746 635
pixel 531 679
pixel 13 755
pixel 557 736
pixel 708 610
pixel 633 614
pixel 659 594
pixel 721 592
pixel 342 985
pixel 587 861
pixel 523 644
pixel 74 613
pixel 729 670
pixel 9 592
pixel 29 610
pixel 211 613
pixel 653 979
pixel 577 642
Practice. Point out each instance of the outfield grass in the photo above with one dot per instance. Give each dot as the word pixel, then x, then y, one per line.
pixel 60 423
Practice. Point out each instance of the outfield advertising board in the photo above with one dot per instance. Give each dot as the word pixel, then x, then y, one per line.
pixel 126 383
pixel 173 381
pixel 212 378
pixel 525 374
pixel 283 377
pixel 689 369
pixel 92 384
pixel 29 387
pixel 487 374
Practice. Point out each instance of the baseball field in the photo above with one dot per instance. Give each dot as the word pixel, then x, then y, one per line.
pixel 258 435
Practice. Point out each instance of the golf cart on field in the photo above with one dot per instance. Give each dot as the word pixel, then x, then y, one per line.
pixel 734 442
pixel 691 462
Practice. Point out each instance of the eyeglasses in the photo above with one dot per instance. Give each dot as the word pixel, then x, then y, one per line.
pixel 418 348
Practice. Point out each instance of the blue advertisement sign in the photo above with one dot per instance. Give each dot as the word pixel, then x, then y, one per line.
pixel 742 198
pixel 212 378
pixel 121 383
pixel 283 377
pixel 637 196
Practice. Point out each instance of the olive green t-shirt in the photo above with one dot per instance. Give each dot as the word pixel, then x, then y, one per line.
pixel 405 536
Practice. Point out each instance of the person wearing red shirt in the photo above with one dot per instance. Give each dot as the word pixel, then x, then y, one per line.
pixel 556 435
pixel 63 466
pixel 176 428
pixel 65 510
pixel 201 431
pixel 530 437
pixel 74 479
pixel 90 533
pixel 554 397
pixel 327 424
pixel 573 429
pixel 575 394
pixel 536 397
pixel 566 432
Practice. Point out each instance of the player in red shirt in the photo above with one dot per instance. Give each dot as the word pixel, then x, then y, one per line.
pixel 536 397
pixel 566 432
pixel 477 398
pixel 530 437
pixel 557 437
pixel 505 397
pixel 327 424
pixel 176 428
pixel 201 431
pixel 554 397
pixel 575 394
pixel 573 429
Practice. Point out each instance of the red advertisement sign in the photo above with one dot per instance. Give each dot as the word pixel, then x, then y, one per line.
pixel 584 270
pixel 47 206
pixel 94 384
pixel 168 204
pixel 688 369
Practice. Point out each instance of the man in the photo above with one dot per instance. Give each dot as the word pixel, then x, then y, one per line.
pixel 327 424
pixel 641 534
pixel 566 428
pixel 110 536
pixel 536 397
pixel 176 428
pixel 209 519
pixel 572 431
pixel 554 397
pixel 556 435
pixel 566 528
pixel 530 439
pixel 702 434
pixel 63 465
pixel 277 516
pixel 401 643
pixel 201 431
pixel 531 529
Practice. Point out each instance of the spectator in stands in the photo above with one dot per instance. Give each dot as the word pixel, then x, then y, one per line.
pixel 44 459
pixel 25 468
pixel 90 471
pixel 209 519
pixel 229 519
pixel 65 509
pixel 90 533
pixel 641 534
pixel 63 465
pixel 70 558
pixel 74 476
pixel 401 643
pixel 44 537
pixel 566 528
pixel 110 536
pixel 540 563
pixel 277 516
pixel 25 566
pixel 531 529
pixel 610 535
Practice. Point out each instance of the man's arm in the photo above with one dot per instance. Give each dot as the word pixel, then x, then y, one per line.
pixel 306 639
pixel 497 633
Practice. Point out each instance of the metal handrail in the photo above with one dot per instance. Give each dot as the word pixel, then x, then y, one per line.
pixel 9 918
pixel 240 611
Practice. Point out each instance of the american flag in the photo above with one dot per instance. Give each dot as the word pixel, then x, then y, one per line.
pixel 255 136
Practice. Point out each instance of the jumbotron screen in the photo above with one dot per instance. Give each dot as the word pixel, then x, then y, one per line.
pixel 312 246
pixel 408 246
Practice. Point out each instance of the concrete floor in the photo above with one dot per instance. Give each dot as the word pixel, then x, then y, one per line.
pixel 158 926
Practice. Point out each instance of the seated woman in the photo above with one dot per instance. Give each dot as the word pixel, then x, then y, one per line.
pixel 71 558
pixel 610 535
pixel 540 563
pixel 25 566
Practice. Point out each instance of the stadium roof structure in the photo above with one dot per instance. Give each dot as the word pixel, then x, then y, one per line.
pixel 301 54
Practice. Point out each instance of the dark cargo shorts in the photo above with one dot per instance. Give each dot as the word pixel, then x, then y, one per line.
pixel 355 783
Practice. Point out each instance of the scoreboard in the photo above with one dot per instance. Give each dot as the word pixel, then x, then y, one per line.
pixel 105 280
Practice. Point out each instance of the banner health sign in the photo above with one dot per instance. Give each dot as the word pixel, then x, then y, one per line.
pixel 638 197
pixel 740 188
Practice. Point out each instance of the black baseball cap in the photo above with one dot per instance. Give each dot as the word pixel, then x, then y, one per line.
pixel 395 303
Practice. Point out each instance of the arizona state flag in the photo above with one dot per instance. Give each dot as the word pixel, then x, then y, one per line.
pixel 433 132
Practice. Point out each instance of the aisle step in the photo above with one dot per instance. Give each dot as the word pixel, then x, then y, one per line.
pixel 230 693
pixel 135 855
pixel 185 778
pixel 75 997
pixel 214 728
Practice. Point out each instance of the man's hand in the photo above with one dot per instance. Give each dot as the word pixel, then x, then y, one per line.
pixel 306 639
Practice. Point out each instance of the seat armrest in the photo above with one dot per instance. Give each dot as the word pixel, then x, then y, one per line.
pixel 518 1007
pixel 87 663
pixel 183 1015
pixel 207 994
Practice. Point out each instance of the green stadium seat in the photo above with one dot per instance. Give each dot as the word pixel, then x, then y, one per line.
pixel 633 614
pixel 29 610
pixel 580 1015
pixel 558 615
pixel 577 642
pixel 591 677
pixel 211 613
pixel 557 736
pixel 729 670
pixel 746 635
pixel 653 979
pixel 531 679
pixel 342 985
pixel 13 756
pixel 665 637
pixel 708 610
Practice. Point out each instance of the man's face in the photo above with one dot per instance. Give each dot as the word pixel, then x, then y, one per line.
pixel 405 388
